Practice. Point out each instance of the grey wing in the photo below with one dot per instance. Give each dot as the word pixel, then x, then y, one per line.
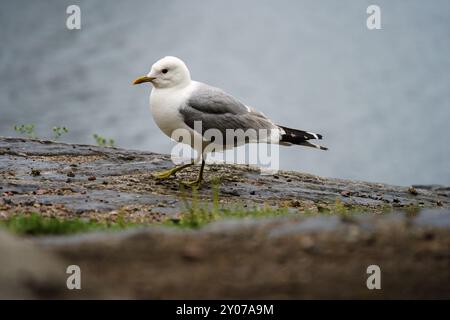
pixel 219 110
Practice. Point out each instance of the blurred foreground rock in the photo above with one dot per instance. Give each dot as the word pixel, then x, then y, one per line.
pixel 314 258
pixel 26 272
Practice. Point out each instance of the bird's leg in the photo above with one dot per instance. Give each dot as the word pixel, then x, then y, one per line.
pixel 198 181
pixel 168 173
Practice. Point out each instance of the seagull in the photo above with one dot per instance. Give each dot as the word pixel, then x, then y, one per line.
pixel 179 103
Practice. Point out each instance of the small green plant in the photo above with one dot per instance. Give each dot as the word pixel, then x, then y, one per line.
pixel 59 131
pixel 35 224
pixel 340 208
pixel 198 213
pixel 27 129
pixel 103 142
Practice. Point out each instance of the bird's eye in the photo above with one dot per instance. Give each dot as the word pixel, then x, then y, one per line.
pixel 164 70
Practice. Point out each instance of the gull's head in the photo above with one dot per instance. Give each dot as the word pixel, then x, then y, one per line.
pixel 167 73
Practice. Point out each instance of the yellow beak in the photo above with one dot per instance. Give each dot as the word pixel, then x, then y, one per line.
pixel 143 79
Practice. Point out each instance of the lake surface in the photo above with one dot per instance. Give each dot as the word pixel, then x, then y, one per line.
pixel 380 98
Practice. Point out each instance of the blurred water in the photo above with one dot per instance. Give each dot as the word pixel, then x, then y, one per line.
pixel 381 98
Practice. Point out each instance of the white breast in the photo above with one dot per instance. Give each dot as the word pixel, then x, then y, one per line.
pixel 164 106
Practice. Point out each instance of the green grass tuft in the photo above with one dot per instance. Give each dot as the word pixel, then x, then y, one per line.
pixel 199 213
pixel 35 224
